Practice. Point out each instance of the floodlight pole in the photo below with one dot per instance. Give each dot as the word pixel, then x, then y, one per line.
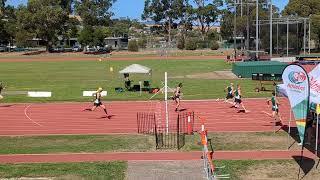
pixel 257 27
pixel 287 37
pixel 235 31
pixel 166 99
pixel 304 35
pixel 309 42
pixel 270 29
pixel 277 38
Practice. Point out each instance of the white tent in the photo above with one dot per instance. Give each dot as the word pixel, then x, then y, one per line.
pixel 136 69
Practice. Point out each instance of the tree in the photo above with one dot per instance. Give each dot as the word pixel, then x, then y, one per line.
pixel 164 11
pixel 2 6
pixel 306 8
pixel 207 14
pixel 46 19
pixel 67 5
pixel 94 12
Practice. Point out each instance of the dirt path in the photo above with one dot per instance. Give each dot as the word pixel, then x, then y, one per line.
pixel 161 170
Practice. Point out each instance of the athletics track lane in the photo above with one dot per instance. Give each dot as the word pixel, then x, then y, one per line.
pixel 150 156
pixel 68 118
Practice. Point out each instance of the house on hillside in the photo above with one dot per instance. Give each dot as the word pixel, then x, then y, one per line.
pixel 117 43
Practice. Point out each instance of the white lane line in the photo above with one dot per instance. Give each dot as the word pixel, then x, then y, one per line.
pixel 26 114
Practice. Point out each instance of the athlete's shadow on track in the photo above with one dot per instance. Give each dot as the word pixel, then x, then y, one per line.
pixel 107 117
pixel 6 106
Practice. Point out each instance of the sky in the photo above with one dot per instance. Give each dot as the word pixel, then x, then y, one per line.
pixel 134 8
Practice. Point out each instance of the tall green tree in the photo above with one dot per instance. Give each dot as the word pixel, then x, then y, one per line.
pixel 2 6
pixel 306 8
pixel 206 13
pixel 164 11
pixel 94 12
pixel 43 18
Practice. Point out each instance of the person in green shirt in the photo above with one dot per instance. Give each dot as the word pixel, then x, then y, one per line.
pixel 275 108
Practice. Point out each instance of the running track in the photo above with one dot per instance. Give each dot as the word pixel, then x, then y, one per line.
pixel 68 118
pixel 151 156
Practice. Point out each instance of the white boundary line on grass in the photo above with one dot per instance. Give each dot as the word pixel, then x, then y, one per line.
pixel 26 114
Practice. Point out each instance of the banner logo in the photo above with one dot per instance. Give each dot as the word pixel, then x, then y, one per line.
pixel 297 77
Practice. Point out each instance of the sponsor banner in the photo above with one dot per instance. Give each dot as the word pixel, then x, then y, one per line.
pixel 314 77
pixel 296 82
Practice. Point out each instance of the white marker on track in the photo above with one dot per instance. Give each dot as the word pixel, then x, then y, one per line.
pixel 26 114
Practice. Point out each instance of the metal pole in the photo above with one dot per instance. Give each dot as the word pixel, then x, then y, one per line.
pixel 304 35
pixel 309 35
pixel 257 28
pixel 289 130
pixel 270 28
pixel 248 30
pixel 166 99
pixel 287 37
pixel 235 31
pixel 277 38
pixel 317 133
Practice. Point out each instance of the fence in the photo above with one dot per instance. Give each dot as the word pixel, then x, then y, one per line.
pixel 207 156
pixel 169 138
pixel 172 137
pixel 146 123
pixel 186 122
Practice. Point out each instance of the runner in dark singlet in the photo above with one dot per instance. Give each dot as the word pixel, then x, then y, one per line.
pixel 229 90
pixel 98 103
pixel 177 96
pixel 2 87
pixel 275 108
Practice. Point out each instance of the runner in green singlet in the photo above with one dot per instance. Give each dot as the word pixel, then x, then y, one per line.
pixel 275 108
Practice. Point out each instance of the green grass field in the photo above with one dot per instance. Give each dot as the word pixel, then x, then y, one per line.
pixel 137 143
pixel 96 170
pixel 68 79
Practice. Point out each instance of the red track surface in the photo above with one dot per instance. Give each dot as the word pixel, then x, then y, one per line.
pixel 150 156
pixel 68 118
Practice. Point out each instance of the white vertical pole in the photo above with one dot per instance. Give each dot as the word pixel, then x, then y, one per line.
pixel 289 130
pixel 317 133
pixel 166 99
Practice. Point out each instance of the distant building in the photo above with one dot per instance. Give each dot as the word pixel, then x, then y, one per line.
pixel 117 43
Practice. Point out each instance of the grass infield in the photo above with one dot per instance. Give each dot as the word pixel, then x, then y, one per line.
pixel 66 80
pixel 94 170
pixel 138 143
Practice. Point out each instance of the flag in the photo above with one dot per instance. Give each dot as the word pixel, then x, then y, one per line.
pixel 296 81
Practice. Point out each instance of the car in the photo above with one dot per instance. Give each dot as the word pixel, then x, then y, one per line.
pixel 76 49
pixel 3 49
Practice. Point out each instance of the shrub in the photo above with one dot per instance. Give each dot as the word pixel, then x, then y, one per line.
pixel 180 43
pixel 202 44
pixel 214 45
pixel 133 46
pixel 142 43
pixel 191 44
